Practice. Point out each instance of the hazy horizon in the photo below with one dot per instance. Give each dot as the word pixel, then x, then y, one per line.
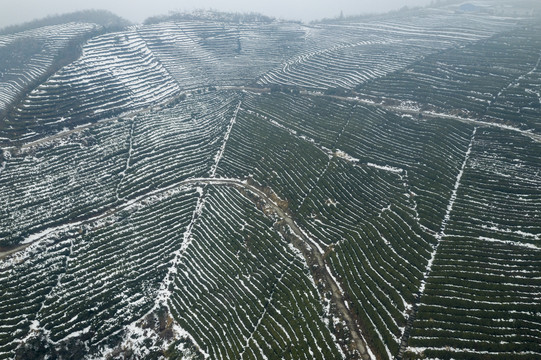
pixel 20 11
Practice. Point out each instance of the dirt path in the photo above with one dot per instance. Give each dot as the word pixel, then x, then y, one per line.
pixel 429 114
pixel 439 238
pixel 261 90
pixel 304 242
pixel 4 254
pixel 337 295
pixel 80 128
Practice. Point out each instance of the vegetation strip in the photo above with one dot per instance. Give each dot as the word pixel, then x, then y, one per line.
pixel 336 294
pixel 439 237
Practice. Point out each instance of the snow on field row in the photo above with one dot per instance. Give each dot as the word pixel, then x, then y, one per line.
pixel 102 275
pixel 500 89
pixel 29 55
pixel 81 175
pixel 486 271
pixel 240 290
pixel 362 217
pixel 372 49
pixel 116 73
pixel 204 53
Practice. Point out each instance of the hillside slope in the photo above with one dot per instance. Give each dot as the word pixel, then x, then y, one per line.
pixel 208 188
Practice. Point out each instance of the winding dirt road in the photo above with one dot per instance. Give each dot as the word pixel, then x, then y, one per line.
pixel 337 295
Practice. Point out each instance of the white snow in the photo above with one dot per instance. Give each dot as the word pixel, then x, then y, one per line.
pixel 386 168
pixel 508 242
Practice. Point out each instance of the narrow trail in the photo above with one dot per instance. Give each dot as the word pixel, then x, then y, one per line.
pixel 337 295
pixel 4 254
pixel 268 303
pixel 304 242
pixel 127 167
pixel 262 90
pixel 335 145
pixel 41 235
pixel 439 238
pixel 511 84
pixel 161 300
pixel 431 115
pixel 220 153
pixel 357 98
pixel 447 215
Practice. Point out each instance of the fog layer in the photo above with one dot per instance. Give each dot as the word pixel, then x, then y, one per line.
pixel 18 11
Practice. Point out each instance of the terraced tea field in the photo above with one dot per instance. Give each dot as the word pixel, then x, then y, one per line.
pixel 496 79
pixel 29 57
pixel 367 188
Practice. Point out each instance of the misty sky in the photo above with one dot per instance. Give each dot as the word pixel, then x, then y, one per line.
pixel 17 11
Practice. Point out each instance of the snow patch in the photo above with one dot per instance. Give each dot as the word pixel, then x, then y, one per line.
pixel 386 168
pixel 341 154
pixel 508 242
